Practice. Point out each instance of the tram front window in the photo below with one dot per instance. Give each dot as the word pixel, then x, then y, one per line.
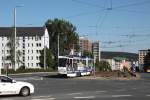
pixel 62 62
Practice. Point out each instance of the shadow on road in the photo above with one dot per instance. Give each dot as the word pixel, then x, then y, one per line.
pixel 9 96
pixel 58 76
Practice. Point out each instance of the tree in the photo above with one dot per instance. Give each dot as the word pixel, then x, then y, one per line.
pixel 88 54
pixel 102 66
pixel 67 36
pixel 49 59
pixel 147 61
pixel 12 46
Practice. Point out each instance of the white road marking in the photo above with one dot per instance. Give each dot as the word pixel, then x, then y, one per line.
pixel 41 97
pixel 87 97
pixel 148 95
pixel 100 91
pixel 75 93
pixel 50 98
pixel 45 99
pixel 121 96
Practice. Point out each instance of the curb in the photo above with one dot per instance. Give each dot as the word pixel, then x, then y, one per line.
pixel 31 73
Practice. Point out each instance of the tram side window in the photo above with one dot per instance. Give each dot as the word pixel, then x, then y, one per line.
pixel 62 62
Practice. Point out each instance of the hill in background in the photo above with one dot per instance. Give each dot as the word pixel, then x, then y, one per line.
pixel 110 55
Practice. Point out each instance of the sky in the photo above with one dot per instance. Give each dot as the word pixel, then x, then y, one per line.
pixel 119 25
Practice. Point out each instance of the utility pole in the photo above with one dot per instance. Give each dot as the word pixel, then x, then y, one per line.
pixel 94 65
pixel 15 33
pixel 58 49
pixel 44 53
pixel 15 38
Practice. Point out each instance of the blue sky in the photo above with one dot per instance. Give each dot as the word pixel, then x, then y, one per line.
pixel 120 25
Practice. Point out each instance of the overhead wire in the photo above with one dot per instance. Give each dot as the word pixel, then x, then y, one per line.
pixel 87 3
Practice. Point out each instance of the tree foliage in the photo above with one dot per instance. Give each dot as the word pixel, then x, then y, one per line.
pixel 147 61
pixel 49 59
pixel 67 36
pixel 88 54
pixel 102 66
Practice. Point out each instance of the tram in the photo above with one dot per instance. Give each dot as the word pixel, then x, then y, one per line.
pixel 73 66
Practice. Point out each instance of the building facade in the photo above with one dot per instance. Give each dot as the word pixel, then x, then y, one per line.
pixel 96 49
pixel 85 44
pixel 142 54
pixel 29 42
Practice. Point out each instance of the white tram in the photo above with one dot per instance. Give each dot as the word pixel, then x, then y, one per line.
pixel 73 66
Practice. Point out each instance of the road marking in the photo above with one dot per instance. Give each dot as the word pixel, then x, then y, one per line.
pixel 41 96
pixel 148 95
pixel 45 99
pixel 75 93
pixel 100 91
pixel 87 97
pixel 51 99
pixel 121 96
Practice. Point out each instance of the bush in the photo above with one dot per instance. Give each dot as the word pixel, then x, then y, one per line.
pixel 103 66
pixel 22 70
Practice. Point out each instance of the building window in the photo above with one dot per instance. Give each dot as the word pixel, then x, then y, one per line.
pixel 37 51
pixel 37 64
pixel 32 64
pixel 32 51
pixel 32 58
pixel 28 57
pixel 23 45
pixel 28 45
pixel 2 44
pixel 32 38
pixel 7 51
pixel 32 44
pixel 28 51
pixel 39 44
pixel 23 58
pixel 28 64
pixel 37 58
pixel 23 52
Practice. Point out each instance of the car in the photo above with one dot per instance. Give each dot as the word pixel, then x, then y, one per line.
pixel 9 86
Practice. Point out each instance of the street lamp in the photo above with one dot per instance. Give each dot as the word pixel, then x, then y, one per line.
pixel 46 32
pixel 15 34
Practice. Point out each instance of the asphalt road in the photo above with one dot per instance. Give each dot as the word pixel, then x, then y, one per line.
pixel 55 88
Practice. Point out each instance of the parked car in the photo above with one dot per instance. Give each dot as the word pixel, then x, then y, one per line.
pixel 9 86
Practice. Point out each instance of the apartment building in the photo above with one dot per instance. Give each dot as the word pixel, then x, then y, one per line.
pixel 142 54
pixel 96 49
pixel 85 44
pixel 29 42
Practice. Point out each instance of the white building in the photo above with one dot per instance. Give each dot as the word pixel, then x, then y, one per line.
pixel 96 49
pixel 29 41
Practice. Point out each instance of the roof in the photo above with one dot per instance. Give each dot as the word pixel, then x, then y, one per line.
pixel 22 31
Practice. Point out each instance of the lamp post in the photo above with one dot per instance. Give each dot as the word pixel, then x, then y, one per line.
pixel 58 48
pixel 45 43
pixel 15 32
